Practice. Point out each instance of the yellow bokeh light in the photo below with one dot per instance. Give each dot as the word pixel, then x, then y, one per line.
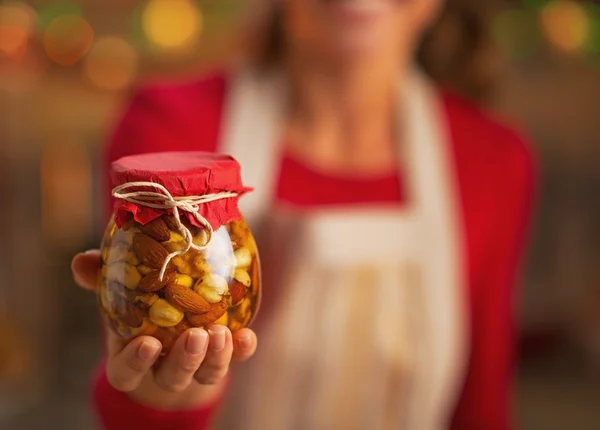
pixel 172 24
pixel 111 63
pixel 566 25
pixel 67 39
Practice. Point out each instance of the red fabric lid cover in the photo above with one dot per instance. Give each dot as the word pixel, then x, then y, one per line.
pixel 183 174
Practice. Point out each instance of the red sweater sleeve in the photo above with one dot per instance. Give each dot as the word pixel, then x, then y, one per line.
pixel 496 174
pixel 116 411
pixel 182 117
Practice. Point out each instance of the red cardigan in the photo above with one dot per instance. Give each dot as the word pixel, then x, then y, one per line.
pixel 496 181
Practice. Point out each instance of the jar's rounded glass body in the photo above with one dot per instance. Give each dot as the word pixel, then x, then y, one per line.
pixel 218 285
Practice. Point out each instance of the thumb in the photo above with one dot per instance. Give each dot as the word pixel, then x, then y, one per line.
pixel 85 268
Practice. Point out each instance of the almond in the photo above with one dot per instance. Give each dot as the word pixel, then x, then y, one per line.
pixel 157 230
pixel 186 299
pixel 238 292
pixel 152 282
pixel 128 313
pixel 149 251
pixel 170 222
pixel 192 228
pixel 183 326
pixel 112 323
pixel 216 311
pixel 141 300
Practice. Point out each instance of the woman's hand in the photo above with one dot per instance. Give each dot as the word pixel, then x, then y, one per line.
pixel 190 376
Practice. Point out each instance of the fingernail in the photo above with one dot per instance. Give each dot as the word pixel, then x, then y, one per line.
pixel 148 351
pixel 245 342
pixel 196 342
pixel 217 342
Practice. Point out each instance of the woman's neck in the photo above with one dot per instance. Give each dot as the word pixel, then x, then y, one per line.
pixel 343 117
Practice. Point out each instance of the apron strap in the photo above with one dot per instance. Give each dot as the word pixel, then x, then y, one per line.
pixel 251 129
pixel 434 192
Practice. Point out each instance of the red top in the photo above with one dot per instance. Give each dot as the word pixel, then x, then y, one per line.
pixel 496 181
pixel 182 174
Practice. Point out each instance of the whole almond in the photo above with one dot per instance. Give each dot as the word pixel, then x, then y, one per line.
pixel 186 299
pixel 192 228
pixel 150 252
pixel 237 291
pixel 216 311
pixel 152 282
pixel 170 222
pixel 157 230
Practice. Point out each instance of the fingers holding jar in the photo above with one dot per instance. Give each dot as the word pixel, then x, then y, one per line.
pixel 176 371
pixel 190 374
pixel 127 368
pixel 215 366
pixel 85 268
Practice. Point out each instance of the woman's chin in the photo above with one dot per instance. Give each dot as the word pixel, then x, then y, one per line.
pixel 351 49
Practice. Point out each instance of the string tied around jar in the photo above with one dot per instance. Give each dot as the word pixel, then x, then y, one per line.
pixel 164 200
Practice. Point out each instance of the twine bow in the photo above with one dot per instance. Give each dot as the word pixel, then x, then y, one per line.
pixel 164 200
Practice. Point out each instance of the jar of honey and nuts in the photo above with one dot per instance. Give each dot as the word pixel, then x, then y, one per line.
pixel 177 252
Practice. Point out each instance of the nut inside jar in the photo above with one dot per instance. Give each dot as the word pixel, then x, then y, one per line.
pixel 217 285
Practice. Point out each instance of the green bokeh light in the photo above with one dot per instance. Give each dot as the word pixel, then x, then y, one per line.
pixel 136 33
pixel 536 4
pixel 517 32
pixel 49 13
pixel 592 45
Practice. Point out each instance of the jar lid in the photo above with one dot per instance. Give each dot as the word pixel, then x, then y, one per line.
pixel 182 174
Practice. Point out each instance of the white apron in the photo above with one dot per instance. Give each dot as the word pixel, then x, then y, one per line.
pixel 367 328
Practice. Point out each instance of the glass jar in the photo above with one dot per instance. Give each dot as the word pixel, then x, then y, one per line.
pixel 177 253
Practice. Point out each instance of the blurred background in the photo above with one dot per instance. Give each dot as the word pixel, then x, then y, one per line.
pixel 68 67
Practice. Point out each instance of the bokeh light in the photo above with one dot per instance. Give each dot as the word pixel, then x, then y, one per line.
pixel 172 25
pixel 516 31
pixel 537 4
pixel 136 33
pixel 67 39
pixel 17 23
pixel 53 10
pixel 111 63
pixel 593 41
pixel 566 25
pixel 13 41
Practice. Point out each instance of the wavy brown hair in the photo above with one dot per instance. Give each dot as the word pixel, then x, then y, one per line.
pixel 457 51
